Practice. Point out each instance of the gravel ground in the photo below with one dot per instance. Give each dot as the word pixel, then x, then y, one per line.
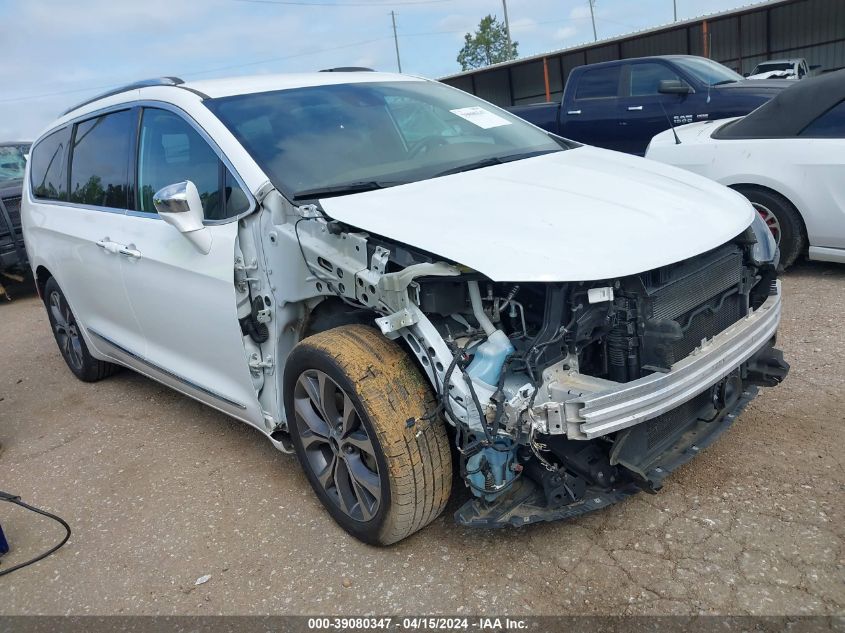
pixel 161 490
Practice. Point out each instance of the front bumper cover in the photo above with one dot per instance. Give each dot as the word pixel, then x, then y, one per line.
pixel 622 405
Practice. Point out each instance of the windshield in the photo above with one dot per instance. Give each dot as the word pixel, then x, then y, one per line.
pixel 767 68
pixel 12 163
pixel 337 139
pixel 707 71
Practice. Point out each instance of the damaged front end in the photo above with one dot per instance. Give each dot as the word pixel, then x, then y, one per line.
pixel 565 397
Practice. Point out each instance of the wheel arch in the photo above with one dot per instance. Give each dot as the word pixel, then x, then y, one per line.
pixel 739 186
pixel 42 275
pixel 333 313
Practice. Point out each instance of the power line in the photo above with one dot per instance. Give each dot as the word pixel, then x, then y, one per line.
pixel 285 57
pixel 200 72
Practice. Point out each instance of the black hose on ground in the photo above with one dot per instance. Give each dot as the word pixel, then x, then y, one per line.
pixel 5 496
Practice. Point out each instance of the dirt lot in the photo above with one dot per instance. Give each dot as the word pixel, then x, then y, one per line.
pixel 161 490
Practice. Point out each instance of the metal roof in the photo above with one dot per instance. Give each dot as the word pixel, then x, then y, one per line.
pixel 617 38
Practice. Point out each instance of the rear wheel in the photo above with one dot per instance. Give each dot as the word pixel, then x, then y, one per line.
pixel 69 338
pixel 355 406
pixel 783 221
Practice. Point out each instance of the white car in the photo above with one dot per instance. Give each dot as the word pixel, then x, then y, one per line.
pixel 792 69
pixel 368 267
pixel 787 157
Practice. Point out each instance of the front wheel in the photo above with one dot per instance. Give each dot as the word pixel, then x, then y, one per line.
pixel 357 410
pixel 69 337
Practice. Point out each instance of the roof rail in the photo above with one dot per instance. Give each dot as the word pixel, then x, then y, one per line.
pixel 144 83
pixel 348 69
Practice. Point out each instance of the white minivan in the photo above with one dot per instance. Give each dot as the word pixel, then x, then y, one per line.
pixel 397 280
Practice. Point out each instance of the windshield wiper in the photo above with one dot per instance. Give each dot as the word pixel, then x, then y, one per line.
pixel 724 81
pixel 493 160
pixel 342 190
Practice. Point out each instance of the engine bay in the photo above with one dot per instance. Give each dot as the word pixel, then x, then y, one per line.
pixel 514 366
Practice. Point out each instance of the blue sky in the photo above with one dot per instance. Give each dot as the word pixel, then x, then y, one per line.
pixel 58 52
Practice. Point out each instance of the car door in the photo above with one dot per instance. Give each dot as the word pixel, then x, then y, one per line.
pixel 819 153
pixel 592 115
pixel 185 300
pixel 77 225
pixel 643 111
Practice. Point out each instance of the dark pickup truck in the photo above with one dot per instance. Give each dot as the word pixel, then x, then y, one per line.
pixel 12 164
pixel 622 104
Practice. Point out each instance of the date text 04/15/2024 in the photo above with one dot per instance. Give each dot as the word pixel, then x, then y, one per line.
pixel 421 623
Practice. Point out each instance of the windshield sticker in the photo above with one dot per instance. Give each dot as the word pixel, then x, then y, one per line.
pixel 480 117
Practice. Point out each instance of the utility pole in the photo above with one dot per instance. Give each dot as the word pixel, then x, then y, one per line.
pixel 593 18
pixel 396 41
pixel 507 28
pixel 675 7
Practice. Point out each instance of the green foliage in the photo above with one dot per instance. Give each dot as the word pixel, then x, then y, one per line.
pixel 488 46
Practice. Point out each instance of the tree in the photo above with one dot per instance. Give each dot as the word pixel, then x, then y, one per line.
pixel 488 46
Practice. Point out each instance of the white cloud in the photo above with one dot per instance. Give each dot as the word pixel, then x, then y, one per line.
pixel 523 25
pixel 580 11
pixel 82 47
pixel 566 32
pixel 458 23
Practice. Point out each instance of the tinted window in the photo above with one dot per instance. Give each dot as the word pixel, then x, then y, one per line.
pixel 47 171
pixel 767 68
pixel 237 201
pixel 829 125
pixel 12 163
pixel 598 83
pixel 170 150
pixel 99 172
pixel 308 140
pixel 646 78
pixel 707 71
pixel 417 120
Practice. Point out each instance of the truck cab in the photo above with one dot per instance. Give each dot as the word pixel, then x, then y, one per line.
pixel 622 104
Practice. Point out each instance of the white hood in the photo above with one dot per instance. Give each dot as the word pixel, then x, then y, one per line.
pixel 774 74
pixel 577 215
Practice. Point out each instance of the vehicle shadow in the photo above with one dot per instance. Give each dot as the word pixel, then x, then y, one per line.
pixel 814 269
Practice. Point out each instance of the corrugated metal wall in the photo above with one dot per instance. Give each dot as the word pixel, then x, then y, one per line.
pixel 814 29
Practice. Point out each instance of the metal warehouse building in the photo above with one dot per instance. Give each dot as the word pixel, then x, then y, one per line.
pixel 740 39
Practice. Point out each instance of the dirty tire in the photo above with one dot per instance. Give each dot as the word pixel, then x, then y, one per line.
pixel 793 239
pixel 390 397
pixel 69 338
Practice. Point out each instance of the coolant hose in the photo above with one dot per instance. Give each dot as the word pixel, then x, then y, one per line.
pixel 478 308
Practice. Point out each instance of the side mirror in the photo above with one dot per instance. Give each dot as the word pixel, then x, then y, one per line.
pixel 746 74
pixel 673 87
pixel 180 206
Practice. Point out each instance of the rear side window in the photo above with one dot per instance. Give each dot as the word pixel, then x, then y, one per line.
pixel 829 125
pixel 170 150
pixel 646 78
pixel 99 173
pixel 47 170
pixel 598 83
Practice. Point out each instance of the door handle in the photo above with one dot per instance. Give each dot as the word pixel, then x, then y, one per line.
pixel 573 111
pixel 129 251
pixel 109 246
pixel 632 108
pixel 118 249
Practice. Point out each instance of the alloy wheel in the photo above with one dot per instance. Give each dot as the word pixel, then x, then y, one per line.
pixel 770 219
pixel 338 449
pixel 66 329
